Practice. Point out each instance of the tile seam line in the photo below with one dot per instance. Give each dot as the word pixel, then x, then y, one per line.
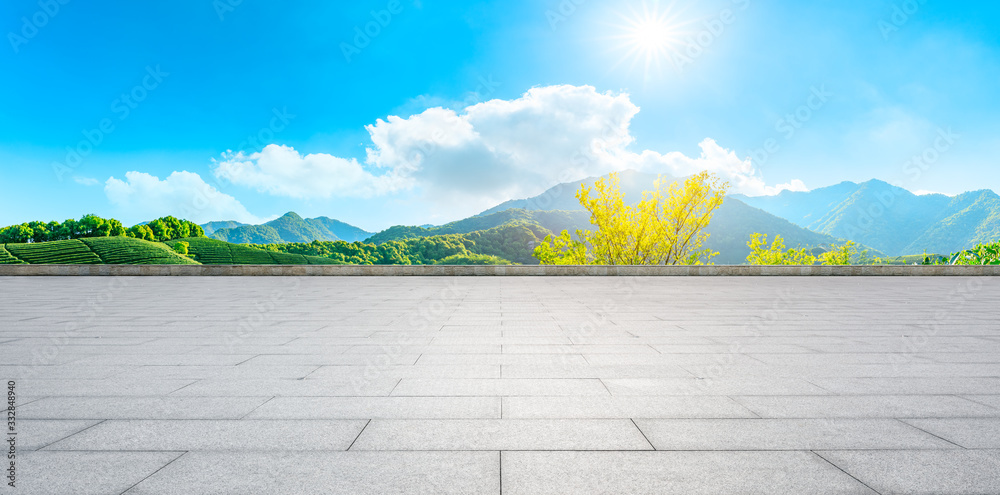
pixel 643 434
pixel 154 473
pixel 911 425
pixel 257 407
pixel 70 435
pixel 828 461
pixel 359 435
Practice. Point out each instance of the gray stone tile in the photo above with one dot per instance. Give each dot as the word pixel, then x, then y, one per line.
pixel 331 360
pixel 35 434
pixel 935 472
pixel 379 408
pixel 785 434
pixel 347 473
pixel 100 388
pixel 216 435
pixel 687 473
pixel 720 386
pixel 502 359
pixel 500 387
pixel 415 371
pixel 971 433
pixel 356 386
pixel 587 371
pixel 624 407
pixel 866 406
pixel 910 385
pixel 85 473
pixel 141 407
pixel 989 400
pixel 502 434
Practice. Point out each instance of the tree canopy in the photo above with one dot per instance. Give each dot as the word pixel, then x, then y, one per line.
pixel 667 227
pixel 161 229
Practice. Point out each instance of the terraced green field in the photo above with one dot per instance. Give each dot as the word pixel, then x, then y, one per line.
pixel 213 252
pixel 71 252
pixel 8 259
pixel 127 251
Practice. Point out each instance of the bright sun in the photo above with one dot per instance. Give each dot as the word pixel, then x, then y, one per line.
pixel 649 37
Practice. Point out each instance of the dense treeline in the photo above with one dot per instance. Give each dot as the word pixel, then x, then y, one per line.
pixel 159 230
pixel 497 246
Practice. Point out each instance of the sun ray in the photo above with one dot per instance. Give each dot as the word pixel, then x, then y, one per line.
pixel 650 37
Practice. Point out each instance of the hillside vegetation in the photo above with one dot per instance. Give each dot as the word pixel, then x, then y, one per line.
pixel 93 251
pixel 214 252
pixel 890 219
pixel 289 228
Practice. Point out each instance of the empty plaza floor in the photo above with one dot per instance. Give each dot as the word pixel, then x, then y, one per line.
pixel 512 385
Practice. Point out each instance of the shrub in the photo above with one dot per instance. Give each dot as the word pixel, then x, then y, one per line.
pixel 182 247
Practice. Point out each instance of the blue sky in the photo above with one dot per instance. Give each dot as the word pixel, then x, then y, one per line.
pixel 246 110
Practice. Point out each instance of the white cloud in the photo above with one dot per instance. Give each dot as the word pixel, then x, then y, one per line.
pixel 282 171
pixel 489 152
pixel 182 194
pixel 86 181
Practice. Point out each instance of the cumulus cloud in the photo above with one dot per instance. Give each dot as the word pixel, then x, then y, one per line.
pixel 489 152
pixel 282 171
pixel 740 172
pixel 182 194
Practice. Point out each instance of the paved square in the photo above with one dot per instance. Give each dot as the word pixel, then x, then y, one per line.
pixel 513 385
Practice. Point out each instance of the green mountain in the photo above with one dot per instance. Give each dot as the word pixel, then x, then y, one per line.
pixel 730 229
pixel 211 227
pixel 291 228
pixel 889 218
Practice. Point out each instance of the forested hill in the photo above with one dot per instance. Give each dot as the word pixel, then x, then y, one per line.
pixel 290 228
pixel 730 229
pixel 889 218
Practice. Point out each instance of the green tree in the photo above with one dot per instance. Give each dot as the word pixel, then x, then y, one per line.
pixel 562 250
pixel 181 247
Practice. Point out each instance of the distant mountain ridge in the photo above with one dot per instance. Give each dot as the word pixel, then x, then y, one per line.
pixel 730 230
pixel 889 218
pixel 211 227
pixel 288 228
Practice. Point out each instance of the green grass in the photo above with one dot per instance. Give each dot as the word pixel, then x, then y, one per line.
pixel 8 259
pixel 213 252
pixel 127 251
pixel 71 252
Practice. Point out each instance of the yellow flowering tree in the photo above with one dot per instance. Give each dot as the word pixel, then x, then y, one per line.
pixel 775 254
pixel 667 227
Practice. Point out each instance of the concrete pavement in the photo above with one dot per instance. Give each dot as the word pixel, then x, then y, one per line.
pixel 513 385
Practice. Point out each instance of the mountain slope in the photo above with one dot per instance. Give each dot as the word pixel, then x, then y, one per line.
pixel 211 227
pixel 291 227
pixel 889 218
pixel 730 228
